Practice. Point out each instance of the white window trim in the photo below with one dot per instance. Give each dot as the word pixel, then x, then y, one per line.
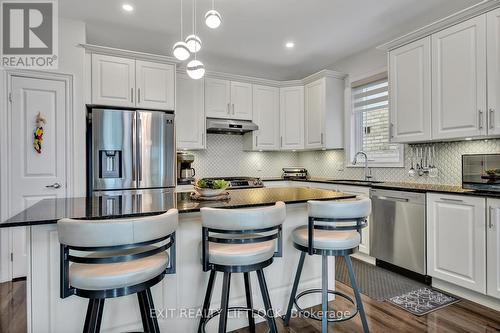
pixel 350 134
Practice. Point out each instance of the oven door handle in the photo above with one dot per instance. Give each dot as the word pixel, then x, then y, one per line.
pixel 392 198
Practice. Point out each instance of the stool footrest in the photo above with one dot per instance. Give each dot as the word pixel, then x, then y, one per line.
pixel 205 320
pixel 310 315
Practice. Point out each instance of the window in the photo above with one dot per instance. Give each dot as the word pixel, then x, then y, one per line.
pixel 371 123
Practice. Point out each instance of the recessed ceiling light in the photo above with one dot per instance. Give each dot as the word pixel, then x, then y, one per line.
pixel 127 7
pixel 289 45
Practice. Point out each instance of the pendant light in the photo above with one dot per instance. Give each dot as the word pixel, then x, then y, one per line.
pixel 195 68
pixel 193 41
pixel 180 49
pixel 213 18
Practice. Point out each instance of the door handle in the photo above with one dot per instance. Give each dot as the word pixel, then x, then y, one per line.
pixel 393 199
pixel 139 148
pixel 452 200
pixel 491 120
pixel 55 186
pixel 490 220
pixel 132 95
pixel 138 95
pixel 233 109
pixel 480 119
pixel 228 108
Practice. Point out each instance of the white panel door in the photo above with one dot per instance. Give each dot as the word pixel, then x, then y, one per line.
pixel 241 100
pixel 155 84
pixel 493 248
pixel 314 114
pixel 456 240
pixel 292 118
pixel 217 98
pixel 35 176
pixel 410 91
pixel 266 114
pixel 459 80
pixel 493 33
pixel 113 80
pixel 189 113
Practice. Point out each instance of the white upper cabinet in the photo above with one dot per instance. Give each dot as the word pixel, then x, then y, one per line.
pixel 155 85
pixel 456 240
pixel 314 98
pixel 292 118
pixel 190 113
pixel 217 98
pixel 266 114
pixel 459 80
pixel 324 114
pixel 493 248
pixel 410 91
pixel 241 100
pixel 493 33
pixel 113 80
pixel 228 99
pixel 132 83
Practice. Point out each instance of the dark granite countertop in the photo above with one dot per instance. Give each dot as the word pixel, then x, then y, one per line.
pixel 49 211
pixel 398 186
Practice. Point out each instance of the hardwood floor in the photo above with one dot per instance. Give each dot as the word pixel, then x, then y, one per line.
pixel 464 316
pixel 13 307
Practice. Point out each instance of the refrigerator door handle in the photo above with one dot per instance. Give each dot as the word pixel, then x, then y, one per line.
pixel 134 140
pixel 139 148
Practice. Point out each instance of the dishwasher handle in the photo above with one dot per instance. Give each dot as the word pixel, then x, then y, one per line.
pixel 392 198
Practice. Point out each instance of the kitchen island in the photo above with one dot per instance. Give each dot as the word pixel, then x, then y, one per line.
pixel 179 296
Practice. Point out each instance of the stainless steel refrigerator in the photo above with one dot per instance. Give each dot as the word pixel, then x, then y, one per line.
pixel 130 150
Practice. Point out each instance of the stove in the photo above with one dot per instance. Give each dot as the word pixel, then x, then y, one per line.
pixel 239 182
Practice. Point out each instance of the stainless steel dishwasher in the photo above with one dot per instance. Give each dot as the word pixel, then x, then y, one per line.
pixel 397 233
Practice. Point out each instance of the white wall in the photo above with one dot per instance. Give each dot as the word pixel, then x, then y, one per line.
pixel 361 63
pixel 71 61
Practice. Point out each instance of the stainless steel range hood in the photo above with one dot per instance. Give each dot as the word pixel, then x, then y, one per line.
pixel 230 126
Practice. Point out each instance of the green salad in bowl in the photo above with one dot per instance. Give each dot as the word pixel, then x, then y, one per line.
pixel 210 187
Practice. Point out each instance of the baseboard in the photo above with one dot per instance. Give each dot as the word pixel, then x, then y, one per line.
pixel 470 295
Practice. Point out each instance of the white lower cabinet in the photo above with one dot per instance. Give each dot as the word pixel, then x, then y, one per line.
pixel 493 248
pixel 456 240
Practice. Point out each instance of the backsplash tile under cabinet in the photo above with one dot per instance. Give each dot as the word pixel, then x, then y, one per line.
pixel 224 156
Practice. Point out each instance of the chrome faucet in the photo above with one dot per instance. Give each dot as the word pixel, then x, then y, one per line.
pixel 368 172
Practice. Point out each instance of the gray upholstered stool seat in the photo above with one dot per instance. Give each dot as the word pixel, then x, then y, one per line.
pixel 120 274
pixel 240 254
pixel 327 239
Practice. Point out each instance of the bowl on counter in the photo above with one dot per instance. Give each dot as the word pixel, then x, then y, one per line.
pixel 209 192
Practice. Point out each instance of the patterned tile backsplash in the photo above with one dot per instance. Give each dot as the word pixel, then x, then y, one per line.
pixel 224 156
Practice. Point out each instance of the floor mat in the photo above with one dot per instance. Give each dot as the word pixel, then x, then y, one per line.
pixel 375 282
pixel 422 301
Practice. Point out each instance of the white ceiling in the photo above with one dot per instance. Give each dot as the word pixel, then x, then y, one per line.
pixel 251 39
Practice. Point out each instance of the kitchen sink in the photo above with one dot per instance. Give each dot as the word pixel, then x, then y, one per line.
pixel 356 181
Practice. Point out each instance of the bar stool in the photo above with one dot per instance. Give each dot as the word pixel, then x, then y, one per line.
pixel 119 257
pixel 333 230
pixel 240 241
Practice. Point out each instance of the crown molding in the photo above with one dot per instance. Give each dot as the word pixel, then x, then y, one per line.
pixel 322 74
pixel 91 48
pixel 463 15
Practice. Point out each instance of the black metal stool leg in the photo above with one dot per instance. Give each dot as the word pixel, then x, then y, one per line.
pixel 324 293
pixel 267 302
pixel 208 298
pixel 94 316
pixel 354 285
pixel 151 312
pixel 146 305
pixel 225 302
pixel 144 314
pixel 248 294
pixel 294 288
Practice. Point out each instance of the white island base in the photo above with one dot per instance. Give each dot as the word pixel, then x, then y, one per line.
pixel 178 297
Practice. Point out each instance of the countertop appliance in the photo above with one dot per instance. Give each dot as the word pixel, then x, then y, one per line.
pixel 397 230
pixel 239 182
pixel 481 172
pixel 294 173
pixel 230 126
pixel 185 170
pixel 130 150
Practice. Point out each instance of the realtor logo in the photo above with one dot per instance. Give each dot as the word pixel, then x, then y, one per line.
pixel 29 34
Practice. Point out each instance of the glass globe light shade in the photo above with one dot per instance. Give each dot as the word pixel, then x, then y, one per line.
pixel 193 43
pixel 213 19
pixel 181 51
pixel 195 69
